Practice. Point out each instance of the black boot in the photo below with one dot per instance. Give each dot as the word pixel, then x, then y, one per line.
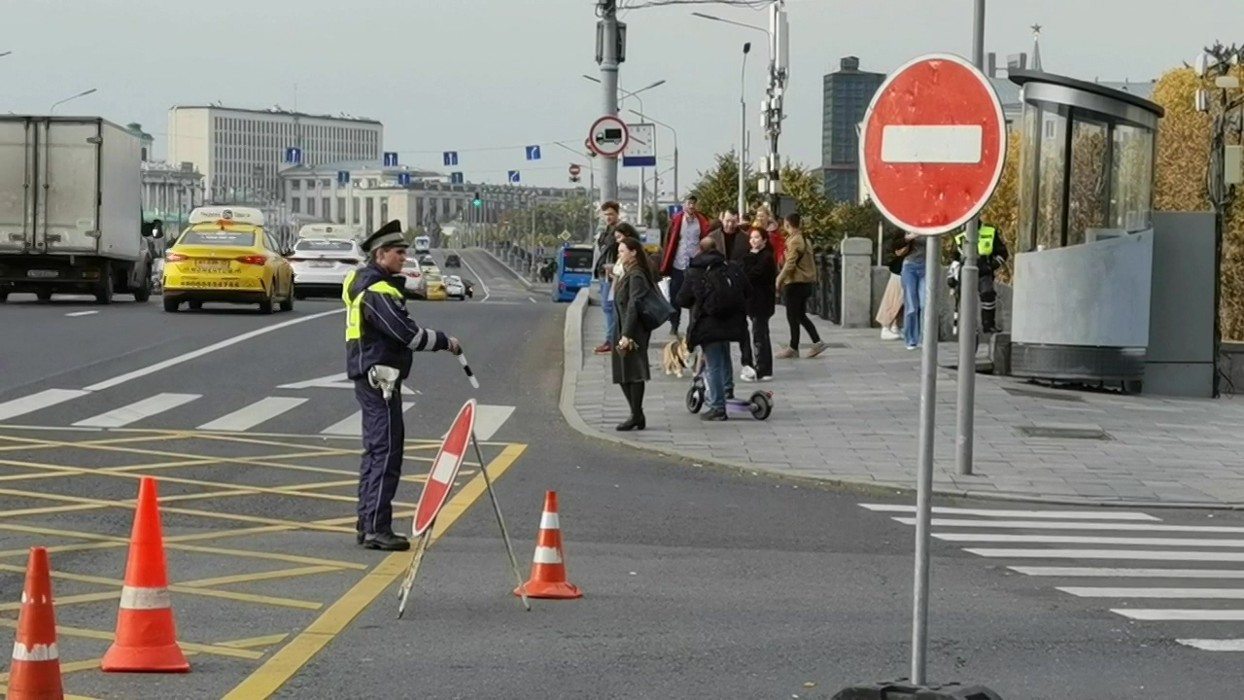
pixel 628 389
pixel 637 405
pixel 386 541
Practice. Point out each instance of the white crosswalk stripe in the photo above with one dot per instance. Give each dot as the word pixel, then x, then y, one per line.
pixel 250 416
pixel 1149 540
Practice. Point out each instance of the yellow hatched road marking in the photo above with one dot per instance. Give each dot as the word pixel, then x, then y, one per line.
pixel 282 665
pixel 188 646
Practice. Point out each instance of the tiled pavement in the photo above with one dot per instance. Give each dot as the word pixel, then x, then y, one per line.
pixel 851 415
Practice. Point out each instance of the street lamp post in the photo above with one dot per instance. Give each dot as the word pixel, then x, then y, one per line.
pixel 84 93
pixel 5 53
pixel 747 47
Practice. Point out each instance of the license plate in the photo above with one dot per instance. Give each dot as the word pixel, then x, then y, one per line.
pixel 212 266
pixel 319 263
pixel 211 284
pixel 43 273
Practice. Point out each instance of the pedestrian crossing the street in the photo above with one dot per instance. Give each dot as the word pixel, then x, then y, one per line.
pixel 1093 550
pixel 59 408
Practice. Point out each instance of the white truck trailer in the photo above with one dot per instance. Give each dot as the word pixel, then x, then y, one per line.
pixel 71 217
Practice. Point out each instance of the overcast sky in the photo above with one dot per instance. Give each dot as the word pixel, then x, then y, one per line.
pixel 486 77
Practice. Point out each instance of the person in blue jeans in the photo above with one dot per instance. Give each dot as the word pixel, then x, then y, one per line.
pixel 713 333
pixel 607 245
pixel 915 291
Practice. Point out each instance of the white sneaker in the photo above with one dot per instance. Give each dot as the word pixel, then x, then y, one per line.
pixel 890 334
pixel 748 374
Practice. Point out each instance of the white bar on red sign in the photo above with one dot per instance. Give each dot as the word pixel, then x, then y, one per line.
pixel 933 143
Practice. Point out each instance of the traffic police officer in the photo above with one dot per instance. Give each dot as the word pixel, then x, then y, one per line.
pixel 381 339
pixel 991 251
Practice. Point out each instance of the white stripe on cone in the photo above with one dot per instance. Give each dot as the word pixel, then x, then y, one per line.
pixel 39 652
pixel 145 598
pixel 549 521
pixel 547 555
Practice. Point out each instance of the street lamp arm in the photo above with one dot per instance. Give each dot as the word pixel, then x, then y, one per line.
pixel 745 25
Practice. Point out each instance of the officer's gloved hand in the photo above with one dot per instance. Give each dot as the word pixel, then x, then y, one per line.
pixel 454 346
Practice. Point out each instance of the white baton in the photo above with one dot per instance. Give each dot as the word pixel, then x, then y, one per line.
pixel 467 368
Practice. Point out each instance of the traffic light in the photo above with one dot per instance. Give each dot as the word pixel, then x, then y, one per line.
pixel 476 202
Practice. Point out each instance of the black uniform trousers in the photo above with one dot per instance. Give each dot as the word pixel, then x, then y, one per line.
pixel 384 441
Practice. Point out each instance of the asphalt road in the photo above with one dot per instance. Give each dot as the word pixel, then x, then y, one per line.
pixel 698 582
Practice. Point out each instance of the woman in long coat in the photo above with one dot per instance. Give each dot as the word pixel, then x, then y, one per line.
pixel 630 353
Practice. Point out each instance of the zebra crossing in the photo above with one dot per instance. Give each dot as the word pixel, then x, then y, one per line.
pixel 1100 539
pixel 255 416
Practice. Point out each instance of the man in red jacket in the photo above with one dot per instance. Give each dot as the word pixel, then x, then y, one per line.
pixel 682 243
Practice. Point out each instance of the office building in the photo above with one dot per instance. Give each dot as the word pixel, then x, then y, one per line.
pixel 241 151
pixel 847 93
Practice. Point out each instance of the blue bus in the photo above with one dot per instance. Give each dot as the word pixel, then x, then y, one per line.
pixel 574 271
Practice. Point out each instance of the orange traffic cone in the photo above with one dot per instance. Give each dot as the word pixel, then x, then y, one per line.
pixel 548 566
pixel 146 637
pixel 35 674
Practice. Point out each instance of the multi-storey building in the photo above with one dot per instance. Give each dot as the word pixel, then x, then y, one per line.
pixel 846 93
pixel 241 151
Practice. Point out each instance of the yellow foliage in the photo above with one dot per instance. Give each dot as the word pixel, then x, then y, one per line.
pixel 1002 211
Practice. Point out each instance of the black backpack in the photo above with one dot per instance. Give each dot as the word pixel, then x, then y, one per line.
pixel 725 290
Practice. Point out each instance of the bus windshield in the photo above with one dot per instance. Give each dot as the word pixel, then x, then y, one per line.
pixel 577 260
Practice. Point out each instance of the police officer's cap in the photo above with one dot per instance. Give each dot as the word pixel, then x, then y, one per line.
pixel 389 235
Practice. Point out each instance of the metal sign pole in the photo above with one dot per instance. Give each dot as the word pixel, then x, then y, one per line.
pixel 924 495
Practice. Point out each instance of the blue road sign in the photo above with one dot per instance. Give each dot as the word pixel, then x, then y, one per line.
pixel 451 158
pixel 343 177
pixel 456 179
pixel 639 161
pixel 674 209
pixel 533 153
pixel 293 154
pixel 390 159
pixel 403 179
pixel 512 176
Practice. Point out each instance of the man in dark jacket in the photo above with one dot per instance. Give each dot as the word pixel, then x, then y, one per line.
pixel 731 238
pixel 607 255
pixel 381 339
pixel 713 333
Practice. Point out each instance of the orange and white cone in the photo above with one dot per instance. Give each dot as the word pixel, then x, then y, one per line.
pixel 35 673
pixel 146 639
pixel 548 565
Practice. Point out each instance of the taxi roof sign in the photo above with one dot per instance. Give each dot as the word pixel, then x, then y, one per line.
pixel 246 216
pixel 333 231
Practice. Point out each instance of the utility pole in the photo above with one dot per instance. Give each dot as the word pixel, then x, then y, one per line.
pixel 771 111
pixel 610 53
pixel 969 299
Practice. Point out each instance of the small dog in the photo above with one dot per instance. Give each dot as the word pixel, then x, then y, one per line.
pixel 675 357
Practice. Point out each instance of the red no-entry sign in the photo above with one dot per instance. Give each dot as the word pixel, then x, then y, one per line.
pixel 444 469
pixel 933 144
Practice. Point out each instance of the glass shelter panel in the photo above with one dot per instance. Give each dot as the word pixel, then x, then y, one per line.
pixel 1131 182
pixel 1051 177
pixel 1029 150
pixel 1086 195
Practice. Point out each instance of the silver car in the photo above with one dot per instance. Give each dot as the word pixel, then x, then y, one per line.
pixel 321 265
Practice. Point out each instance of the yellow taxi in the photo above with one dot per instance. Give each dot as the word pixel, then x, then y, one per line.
pixel 226 255
pixel 435 285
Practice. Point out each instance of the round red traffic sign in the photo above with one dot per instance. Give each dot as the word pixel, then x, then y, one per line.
pixel 575 169
pixel 933 144
pixel 444 469
pixel 608 136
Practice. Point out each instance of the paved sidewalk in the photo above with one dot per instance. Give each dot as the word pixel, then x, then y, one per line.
pixel 851 415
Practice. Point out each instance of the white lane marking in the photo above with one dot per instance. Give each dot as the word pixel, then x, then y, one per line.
pixel 1055 514
pixel 479 279
pixel 488 420
pixel 214 347
pixel 1214 644
pixel 35 402
pixel 1124 554
pixel 353 426
pixel 1164 592
pixel 532 300
pixel 1183 615
pixel 1056 525
pixel 931 143
pixel 1085 539
pixel 252 415
pixel 81 313
pixel 1111 572
pixel 132 413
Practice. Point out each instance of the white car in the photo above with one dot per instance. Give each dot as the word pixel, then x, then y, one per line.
pixel 416 280
pixel 321 265
pixel 454 287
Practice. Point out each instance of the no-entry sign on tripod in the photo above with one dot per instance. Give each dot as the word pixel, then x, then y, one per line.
pixel 933 144
pixel 436 491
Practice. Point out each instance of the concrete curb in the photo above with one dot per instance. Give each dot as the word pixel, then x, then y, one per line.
pixel 572 364
pixel 529 285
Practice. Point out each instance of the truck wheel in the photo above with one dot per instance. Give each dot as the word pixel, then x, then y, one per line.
pixel 143 293
pixel 43 296
pixel 103 293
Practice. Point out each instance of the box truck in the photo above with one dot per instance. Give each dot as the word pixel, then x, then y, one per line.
pixel 71 218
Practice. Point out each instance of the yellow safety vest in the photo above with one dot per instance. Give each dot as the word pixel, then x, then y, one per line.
pixel 984 241
pixel 354 307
